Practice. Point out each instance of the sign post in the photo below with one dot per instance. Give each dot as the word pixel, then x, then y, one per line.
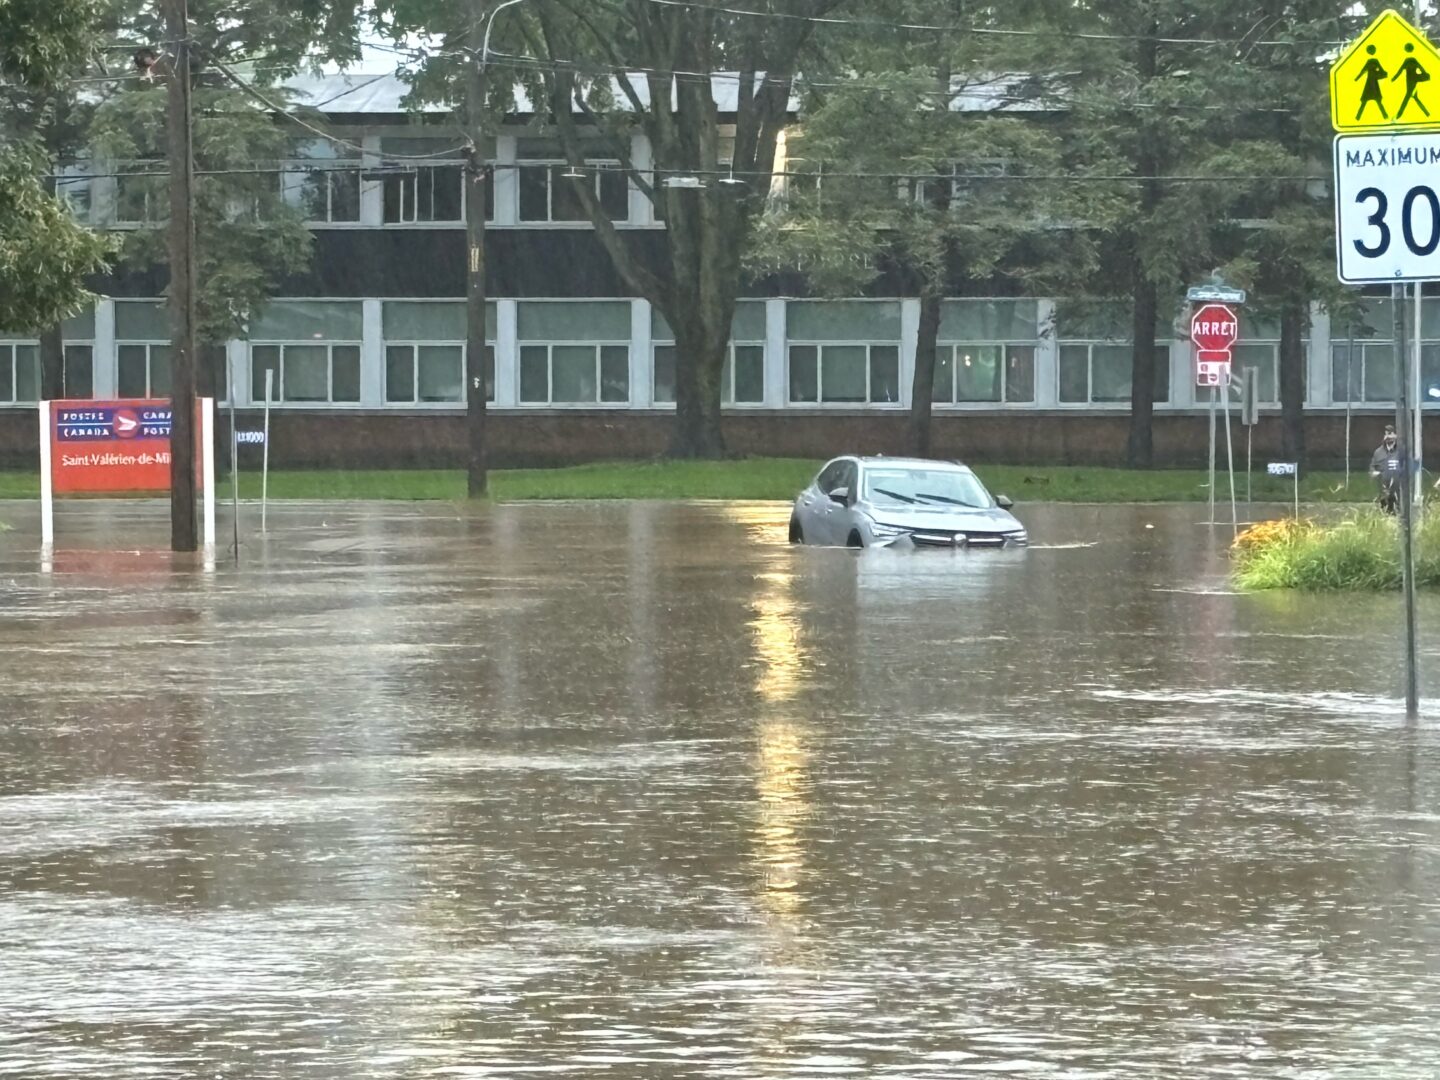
pixel 1213 329
pixel 1387 219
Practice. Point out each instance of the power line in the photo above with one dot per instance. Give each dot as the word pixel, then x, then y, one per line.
pixel 887 24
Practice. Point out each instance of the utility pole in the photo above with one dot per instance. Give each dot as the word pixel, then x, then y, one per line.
pixel 179 133
pixel 1407 550
pixel 477 176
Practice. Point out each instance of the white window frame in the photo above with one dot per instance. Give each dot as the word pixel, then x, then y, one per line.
pixel 1005 347
pixel 297 171
pixel 149 346
pixel 549 164
pixel 1362 345
pixel 550 402
pixel 1163 364
pixel 410 171
pixel 157 195
pixel 1239 365
pixel 869 347
pixel 330 345
pixel 728 373
pixel 414 345
pixel 9 347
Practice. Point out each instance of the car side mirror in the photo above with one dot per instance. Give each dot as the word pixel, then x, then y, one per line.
pixel 841 495
pixel 1004 502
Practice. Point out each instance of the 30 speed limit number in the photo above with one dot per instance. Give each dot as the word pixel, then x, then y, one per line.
pixel 1387 207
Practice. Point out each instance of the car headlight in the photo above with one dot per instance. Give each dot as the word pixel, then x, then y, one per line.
pixel 1018 536
pixel 880 529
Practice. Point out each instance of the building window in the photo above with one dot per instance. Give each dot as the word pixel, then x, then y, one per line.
pixel 845 374
pixel 431 374
pixel 742 380
pixel 79 376
pixel 144 370
pixel 141 198
pixel 19 373
pixel 309 373
pixel 1366 374
pixel 549 191
pixel 984 373
pixel 1099 373
pixel 574 374
pixel 417 191
pixel 1264 357
pixel 320 183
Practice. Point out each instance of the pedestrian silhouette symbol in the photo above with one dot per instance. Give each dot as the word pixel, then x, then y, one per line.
pixel 1414 76
pixel 1374 75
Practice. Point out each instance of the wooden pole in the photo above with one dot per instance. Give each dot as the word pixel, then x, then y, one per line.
pixel 476 178
pixel 183 532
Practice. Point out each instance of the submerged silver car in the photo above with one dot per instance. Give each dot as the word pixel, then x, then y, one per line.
pixel 868 501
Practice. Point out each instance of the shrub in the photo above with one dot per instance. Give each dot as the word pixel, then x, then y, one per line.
pixel 1361 551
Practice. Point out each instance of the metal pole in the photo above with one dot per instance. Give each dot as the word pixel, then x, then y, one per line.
pixel 1349 396
pixel 265 452
pixel 179 134
pixel 1418 441
pixel 1230 464
pixel 1212 456
pixel 1407 551
pixel 234 463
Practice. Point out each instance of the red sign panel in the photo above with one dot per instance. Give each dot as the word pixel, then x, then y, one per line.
pixel 99 447
pixel 1214 328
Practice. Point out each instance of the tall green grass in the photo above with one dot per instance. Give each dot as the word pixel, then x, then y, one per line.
pixel 1359 552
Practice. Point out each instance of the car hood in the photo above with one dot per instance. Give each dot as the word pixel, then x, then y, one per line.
pixel 952 518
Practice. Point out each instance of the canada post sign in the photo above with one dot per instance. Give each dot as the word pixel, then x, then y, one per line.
pixel 110 446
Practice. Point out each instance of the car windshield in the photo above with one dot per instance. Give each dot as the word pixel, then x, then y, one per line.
pixel 925 487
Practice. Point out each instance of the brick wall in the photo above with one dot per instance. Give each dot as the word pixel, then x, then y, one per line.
pixel 415 440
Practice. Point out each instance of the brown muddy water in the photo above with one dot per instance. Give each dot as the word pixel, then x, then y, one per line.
pixel 639 790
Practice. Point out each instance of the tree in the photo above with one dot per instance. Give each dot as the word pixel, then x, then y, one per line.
pixel 249 235
pixel 1170 92
pixel 45 254
pixel 711 90
pixel 935 191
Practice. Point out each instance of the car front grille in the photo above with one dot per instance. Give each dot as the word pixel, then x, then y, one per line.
pixel 948 538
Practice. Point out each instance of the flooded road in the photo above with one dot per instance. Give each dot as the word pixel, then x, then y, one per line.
pixel 639 790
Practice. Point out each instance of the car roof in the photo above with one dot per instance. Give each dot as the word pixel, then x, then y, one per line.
pixel 913 462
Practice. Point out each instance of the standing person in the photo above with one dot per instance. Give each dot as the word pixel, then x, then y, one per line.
pixel 1385 465
pixel 1373 74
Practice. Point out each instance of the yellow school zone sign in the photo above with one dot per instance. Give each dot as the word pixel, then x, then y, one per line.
pixel 1382 80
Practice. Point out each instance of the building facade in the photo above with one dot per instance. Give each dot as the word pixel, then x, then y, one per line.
pixel 366 364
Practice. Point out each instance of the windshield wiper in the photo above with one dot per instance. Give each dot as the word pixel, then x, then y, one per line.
pixel 946 499
pixel 893 495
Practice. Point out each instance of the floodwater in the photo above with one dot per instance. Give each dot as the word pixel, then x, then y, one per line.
pixel 639 790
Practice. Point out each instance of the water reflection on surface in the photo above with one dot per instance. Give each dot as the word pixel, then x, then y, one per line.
pixel 640 790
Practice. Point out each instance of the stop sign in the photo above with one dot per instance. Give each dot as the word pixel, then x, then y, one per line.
pixel 1213 328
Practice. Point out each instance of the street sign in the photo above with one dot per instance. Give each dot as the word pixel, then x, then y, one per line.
pixel 1214 328
pixel 250 438
pixel 1282 468
pixel 1217 294
pixel 1379 81
pixel 1387 209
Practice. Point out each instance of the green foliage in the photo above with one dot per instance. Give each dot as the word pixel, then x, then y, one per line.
pixel 248 239
pixel 1360 552
pixel 42 41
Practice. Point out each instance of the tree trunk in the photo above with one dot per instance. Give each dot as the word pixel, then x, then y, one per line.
pixel 1293 317
pixel 477 478
pixel 699 364
pixel 1140 451
pixel 52 363
pixel 922 389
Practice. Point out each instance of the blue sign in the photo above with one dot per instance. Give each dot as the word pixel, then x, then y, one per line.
pixel 250 438
pixel 112 423
pixel 1282 468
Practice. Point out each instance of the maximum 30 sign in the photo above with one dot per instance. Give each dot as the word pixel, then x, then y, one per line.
pixel 1387 208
